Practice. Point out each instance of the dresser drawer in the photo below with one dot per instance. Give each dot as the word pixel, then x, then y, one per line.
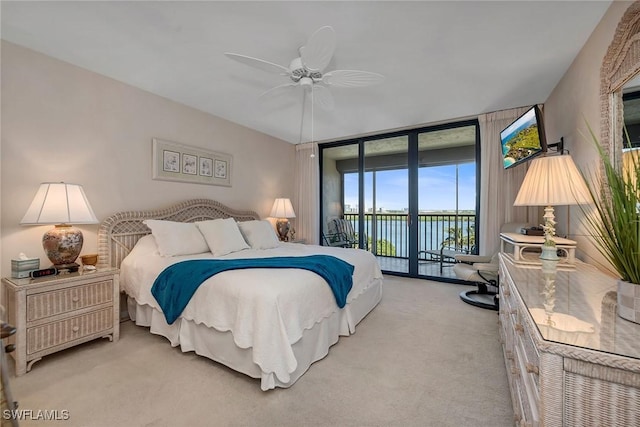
pixel 48 304
pixel 528 390
pixel 530 357
pixel 507 298
pixel 513 376
pixel 507 321
pixel 61 332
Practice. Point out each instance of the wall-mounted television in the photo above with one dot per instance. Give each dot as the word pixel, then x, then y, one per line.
pixel 523 139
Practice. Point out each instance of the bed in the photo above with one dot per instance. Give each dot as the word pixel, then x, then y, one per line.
pixel 270 324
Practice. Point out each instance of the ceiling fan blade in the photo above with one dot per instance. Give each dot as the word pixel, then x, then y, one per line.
pixel 258 63
pixel 278 90
pixel 277 98
pixel 352 78
pixel 317 53
pixel 322 97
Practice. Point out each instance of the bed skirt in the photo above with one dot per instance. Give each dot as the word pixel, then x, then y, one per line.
pixel 220 346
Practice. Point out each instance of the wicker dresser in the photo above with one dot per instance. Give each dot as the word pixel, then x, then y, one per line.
pixel 57 312
pixel 571 361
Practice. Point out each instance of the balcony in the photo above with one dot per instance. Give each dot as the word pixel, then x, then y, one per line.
pixel 388 239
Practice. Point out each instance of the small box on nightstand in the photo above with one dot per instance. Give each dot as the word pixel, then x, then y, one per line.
pixel 21 268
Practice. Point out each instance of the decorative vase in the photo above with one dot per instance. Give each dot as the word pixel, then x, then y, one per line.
pixel 62 245
pixel 629 301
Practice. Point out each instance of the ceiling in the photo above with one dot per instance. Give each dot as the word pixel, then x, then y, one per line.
pixel 442 60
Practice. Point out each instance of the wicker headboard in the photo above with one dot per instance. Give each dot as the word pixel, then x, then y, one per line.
pixel 119 233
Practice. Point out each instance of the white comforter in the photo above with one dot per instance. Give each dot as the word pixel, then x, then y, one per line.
pixel 266 309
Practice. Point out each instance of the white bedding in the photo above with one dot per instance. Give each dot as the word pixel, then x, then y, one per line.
pixel 267 310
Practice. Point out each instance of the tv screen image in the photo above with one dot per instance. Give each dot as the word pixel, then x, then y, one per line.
pixel 523 139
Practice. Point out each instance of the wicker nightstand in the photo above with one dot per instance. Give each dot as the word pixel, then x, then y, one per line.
pixel 57 312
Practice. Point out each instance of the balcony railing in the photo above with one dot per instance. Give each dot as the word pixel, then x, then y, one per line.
pixel 388 234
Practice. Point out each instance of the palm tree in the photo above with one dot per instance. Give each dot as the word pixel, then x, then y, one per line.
pixel 457 240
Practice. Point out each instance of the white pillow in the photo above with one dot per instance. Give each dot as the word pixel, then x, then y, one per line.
pixel 259 234
pixel 222 235
pixel 146 245
pixel 177 238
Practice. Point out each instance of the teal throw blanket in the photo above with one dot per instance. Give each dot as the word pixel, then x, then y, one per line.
pixel 176 284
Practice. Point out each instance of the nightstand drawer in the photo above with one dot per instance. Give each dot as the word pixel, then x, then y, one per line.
pixel 53 334
pixel 48 304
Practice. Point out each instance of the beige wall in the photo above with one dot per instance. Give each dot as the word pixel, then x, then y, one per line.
pixel 573 103
pixel 64 123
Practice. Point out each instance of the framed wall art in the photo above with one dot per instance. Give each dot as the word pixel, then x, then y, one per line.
pixel 173 161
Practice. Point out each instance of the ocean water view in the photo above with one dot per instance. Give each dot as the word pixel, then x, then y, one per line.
pixel 392 233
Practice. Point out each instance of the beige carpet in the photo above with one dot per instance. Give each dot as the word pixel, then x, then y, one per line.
pixel 421 358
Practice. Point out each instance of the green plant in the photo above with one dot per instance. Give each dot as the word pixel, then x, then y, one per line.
pixel 383 247
pixel 614 224
pixel 457 240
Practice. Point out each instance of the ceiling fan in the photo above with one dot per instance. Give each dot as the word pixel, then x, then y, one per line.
pixel 307 70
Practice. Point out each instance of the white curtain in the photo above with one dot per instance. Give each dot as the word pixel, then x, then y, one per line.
pixel 307 192
pixel 498 187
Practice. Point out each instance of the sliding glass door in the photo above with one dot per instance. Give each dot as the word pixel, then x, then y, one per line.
pixel 447 198
pixel 386 201
pixel 407 196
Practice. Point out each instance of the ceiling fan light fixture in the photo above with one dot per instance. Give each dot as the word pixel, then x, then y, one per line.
pixel 297 70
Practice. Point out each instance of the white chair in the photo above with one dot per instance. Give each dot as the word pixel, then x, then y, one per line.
pixel 483 271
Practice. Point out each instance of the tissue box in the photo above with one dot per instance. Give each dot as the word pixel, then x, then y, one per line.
pixel 20 268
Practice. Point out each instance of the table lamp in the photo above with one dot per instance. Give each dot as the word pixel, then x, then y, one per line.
pixel 550 181
pixel 282 210
pixel 61 204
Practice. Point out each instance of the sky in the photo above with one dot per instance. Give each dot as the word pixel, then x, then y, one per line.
pixel 436 188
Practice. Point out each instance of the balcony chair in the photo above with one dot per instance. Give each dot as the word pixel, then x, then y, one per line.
pixel 341 234
pixel 444 255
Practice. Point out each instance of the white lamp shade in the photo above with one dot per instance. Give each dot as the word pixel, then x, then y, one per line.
pixel 59 203
pixel 282 208
pixel 553 181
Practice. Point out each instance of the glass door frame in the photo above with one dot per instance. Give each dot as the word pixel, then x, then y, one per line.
pixel 413 166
